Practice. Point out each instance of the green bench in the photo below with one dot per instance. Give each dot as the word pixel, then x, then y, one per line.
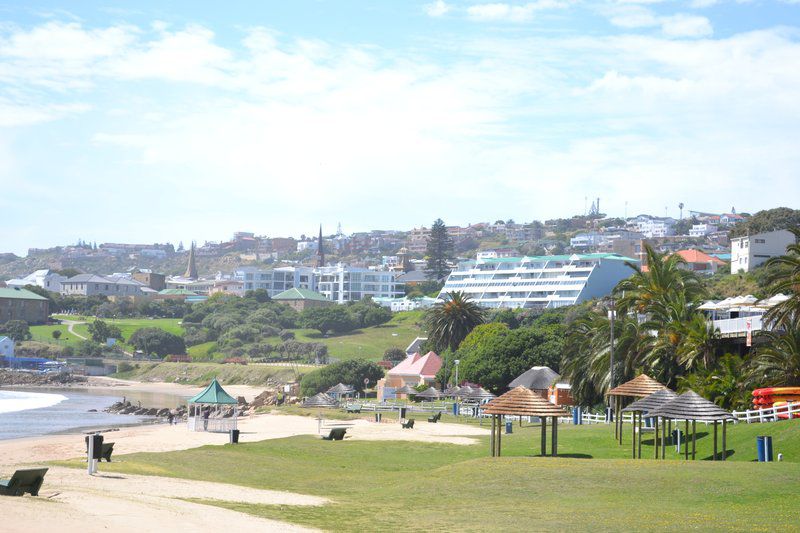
pixel 435 418
pixel 23 481
pixel 408 424
pixel 355 408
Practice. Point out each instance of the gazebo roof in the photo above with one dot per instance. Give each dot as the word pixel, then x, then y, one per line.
pixel 451 390
pixel 430 392
pixel 214 394
pixel 479 394
pixel 639 387
pixel 538 377
pixel 524 402
pixel 320 400
pixel 464 391
pixel 406 389
pixel 692 406
pixel 654 401
pixel 341 388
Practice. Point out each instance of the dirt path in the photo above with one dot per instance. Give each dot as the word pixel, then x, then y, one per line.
pixel 71 324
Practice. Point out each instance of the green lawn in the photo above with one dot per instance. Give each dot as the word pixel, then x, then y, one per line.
pixel 45 334
pixel 418 486
pixel 369 343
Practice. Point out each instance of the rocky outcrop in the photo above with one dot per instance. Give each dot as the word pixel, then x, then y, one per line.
pixel 35 379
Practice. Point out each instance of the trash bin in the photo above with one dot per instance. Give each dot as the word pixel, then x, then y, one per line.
pixel 234 436
pixel 97 450
pixel 577 417
pixel 509 426
pixel 764 448
pixel 455 409
pixel 403 412
pixel 378 417
pixel 677 438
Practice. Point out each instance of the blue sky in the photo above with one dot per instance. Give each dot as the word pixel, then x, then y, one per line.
pixel 170 121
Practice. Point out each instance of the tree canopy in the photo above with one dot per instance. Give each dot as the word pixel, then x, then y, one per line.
pixel 351 372
pixel 439 250
pixel 157 341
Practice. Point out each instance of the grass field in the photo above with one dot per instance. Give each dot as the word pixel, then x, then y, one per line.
pixel 45 334
pixel 202 373
pixel 129 325
pixel 419 486
pixel 369 343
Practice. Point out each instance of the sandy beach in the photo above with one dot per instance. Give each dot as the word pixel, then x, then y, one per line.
pixel 77 501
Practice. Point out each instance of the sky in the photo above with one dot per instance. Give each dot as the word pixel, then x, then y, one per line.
pixel 176 121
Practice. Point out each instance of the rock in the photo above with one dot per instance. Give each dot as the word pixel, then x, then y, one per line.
pixel 92 410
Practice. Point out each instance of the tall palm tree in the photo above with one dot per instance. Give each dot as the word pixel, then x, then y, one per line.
pixel 777 361
pixel 786 280
pixel 698 343
pixel 450 321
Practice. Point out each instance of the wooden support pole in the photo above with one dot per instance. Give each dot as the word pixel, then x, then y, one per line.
pixel 619 416
pixel 715 441
pixel 655 438
pixel 664 438
pixel 554 438
pixel 669 431
pixel 694 439
pixel 499 433
pixel 491 446
pixel 686 442
pixel 544 436
pixel 640 435
pixel 724 442
pixel 633 435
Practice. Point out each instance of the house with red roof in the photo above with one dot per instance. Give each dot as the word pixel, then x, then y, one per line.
pixel 414 370
pixel 700 262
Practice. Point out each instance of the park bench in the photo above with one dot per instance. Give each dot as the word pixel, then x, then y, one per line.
pixel 23 481
pixel 435 418
pixel 408 424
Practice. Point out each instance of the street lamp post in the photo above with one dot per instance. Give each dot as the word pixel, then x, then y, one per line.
pixel 456 363
pixel 611 316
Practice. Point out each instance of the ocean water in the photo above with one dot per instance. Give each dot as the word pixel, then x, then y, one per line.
pixel 30 413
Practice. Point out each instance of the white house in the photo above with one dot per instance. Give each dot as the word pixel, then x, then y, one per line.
pixel 46 279
pixel 753 250
pixel 701 230
pixel 656 227
pixel 6 347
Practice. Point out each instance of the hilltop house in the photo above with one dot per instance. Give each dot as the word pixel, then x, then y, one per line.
pixel 302 299
pixel 46 279
pixel 753 250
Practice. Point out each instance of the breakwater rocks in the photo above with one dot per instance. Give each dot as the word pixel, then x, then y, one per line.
pixel 36 379
pixel 128 408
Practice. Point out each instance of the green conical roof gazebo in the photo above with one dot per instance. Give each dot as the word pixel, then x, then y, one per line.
pixel 211 410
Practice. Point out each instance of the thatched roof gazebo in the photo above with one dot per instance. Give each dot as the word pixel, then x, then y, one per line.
pixel 521 401
pixel 429 394
pixel 464 392
pixel 639 387
pixel 642 407
pixel 319 400
pixel 451 391
pixel 407 390
pixel 340 390
pixel 691 406
pixel 479 394
pixel 213 409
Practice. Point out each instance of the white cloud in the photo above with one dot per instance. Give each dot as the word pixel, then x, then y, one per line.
pixel 633 17
pixel 437 8
pixel 512 13
pixel 682 25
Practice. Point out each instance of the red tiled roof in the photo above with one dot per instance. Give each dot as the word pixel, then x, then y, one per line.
pixel 418 365
pixel 696 256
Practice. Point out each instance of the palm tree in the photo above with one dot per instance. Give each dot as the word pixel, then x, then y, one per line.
pixel 450 321
pixel 650 292
pixel 698 343
pixel 778 360
pixel 726 384
pixel 786 280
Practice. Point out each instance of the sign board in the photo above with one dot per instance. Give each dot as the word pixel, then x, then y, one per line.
pixel 749 327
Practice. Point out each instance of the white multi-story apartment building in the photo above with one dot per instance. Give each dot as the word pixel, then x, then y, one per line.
pixel 586 240
pixel 701 230
pixel 339 283
pixel 656 227
pixel 344 284
pixel 538 282
pixel 753 250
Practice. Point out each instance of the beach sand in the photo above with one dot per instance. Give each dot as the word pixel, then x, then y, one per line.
pixel 72 500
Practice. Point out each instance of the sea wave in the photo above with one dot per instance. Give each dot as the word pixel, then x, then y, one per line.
pixel 13 401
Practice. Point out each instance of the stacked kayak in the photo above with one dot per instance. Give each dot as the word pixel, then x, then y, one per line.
pixel 776 397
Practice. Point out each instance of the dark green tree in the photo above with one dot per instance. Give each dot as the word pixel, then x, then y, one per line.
pixel 439 250
pixel 351 372
pixel 100 331
pixel 335 319
pixel 157 341
pixel 394 355
pixel 16 330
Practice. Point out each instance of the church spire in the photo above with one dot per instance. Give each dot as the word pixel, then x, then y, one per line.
pixel 320 250
pixel 191 268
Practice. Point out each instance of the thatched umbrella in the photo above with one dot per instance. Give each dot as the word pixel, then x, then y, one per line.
pixel 430 393
pixel 464 392
pixel 522 401
pixel 341 388
pixel 451 391
pixel 407 390
pixel 639 387
pixel 319 400
pixel 479 394
pixel 643 407
pixel 691 406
